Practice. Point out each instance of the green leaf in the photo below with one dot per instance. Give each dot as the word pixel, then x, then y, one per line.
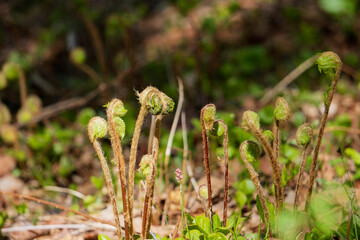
pixel 247 186
pixel 231 221
pixel 21 208
pixel 271 210
pixel 3 217
pixel 217 235
pixel 336 7
pixel 223 230
pixel 190 218
pixel 237 229
pixel 260 208
pixel 85 115
pixel 192 232
pixel 241 238
pixel 240 198
pixel 353 154
pixel 216 221
pixel 103 237
pixel 97 182
pixel 204 223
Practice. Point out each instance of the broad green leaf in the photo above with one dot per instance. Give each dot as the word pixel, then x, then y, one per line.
pixel 216 221
pixel 196 227
pixel 190 218
pixel 271 210
pixel 216 236
pixel 193 234
pixel 231 221
pixel 240 198
pixel 353 154
pixel 247 186
pixel 204 223
pixel 223 230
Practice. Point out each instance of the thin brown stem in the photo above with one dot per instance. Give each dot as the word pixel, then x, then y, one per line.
pixel 22 84
pixel 97 42
pixel 117 149
pixel 105 168
pixel 288 79
pixel 226 154
pixel 38 200
pixel 155 156
pixel 88 71
pixel 300 177
pixel 149 180
pixel 206 162
pixel 255 178
pixel 321 133
pixel 133 152
pixel 276 147
pixel 152 133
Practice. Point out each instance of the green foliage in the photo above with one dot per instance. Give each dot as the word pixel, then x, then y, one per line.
pixel 78 55
pixel 290 224
pixel 3 217
pixel 117 107
pixel 326 213
pixel 120 126
pixel 266 115
pixel 5 116
pixel 85 115
pixel 201 228
pixel 354 155
pixel 339 7
pixel 244 192
pixel 146 165
pixel 3 81
pixel 24 116
pixel 250 117
pixel 218 129
pixel 204 192
pixel 208 116
pixel 304 135
pixel 268 135
pixel 21 208
pixel 97 128
pixel 251 151
pixel 10 70
pixel 270 208
pixel 328 64
pixel 282 110
pixel 97 182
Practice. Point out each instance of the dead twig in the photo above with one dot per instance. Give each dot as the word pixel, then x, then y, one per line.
pixel 288 79
pixel 38 200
